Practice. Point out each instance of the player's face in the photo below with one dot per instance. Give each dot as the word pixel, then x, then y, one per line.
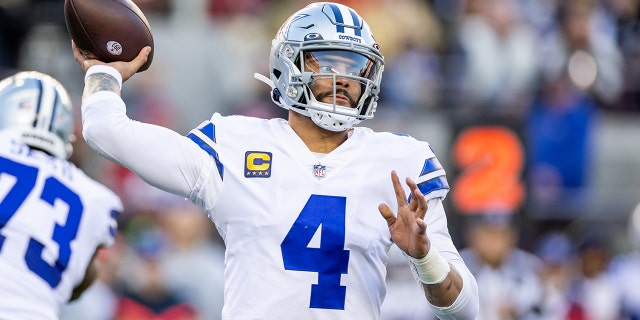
pixel 339 65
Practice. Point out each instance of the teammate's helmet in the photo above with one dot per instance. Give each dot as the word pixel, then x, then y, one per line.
pixel 633 228
pixel 38 109
pixel 318 30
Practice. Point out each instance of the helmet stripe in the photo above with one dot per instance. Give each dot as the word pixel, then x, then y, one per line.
pixel 356 22
pixel 53 112
pixel 338 16
pixel 45 106
pixel 35 120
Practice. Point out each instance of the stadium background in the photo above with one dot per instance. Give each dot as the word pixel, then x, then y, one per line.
pixel 532 106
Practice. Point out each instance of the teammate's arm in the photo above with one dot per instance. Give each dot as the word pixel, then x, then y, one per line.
pixel 90 275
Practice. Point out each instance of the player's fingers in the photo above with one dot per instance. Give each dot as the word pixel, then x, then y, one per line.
pixel 130 68
pixel 85 59
pixel 422 226
pixel 413 204
pixel 76 53
pixel 401 198
pixel 387 214
pixel 418 200
pixel 421 211
pixel 142 57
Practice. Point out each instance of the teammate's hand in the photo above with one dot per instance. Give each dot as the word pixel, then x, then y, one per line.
pixel 408 229
pixel 126 69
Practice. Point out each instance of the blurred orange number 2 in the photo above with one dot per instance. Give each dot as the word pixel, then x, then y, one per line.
pixel 491 159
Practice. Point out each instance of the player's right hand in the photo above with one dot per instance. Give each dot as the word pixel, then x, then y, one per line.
pixel 126 69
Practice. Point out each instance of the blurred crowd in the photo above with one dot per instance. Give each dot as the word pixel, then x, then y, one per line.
pixel 533 106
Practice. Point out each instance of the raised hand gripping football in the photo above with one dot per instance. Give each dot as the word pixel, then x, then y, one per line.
pixel 109 30
pixel 126 69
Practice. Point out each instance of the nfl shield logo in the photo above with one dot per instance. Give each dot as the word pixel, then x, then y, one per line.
pixel 319 170
pixel 24 105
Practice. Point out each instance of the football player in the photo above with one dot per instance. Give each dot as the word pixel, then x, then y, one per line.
pixel 53 217
pixel 303 204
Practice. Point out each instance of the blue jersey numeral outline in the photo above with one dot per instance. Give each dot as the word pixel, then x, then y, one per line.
pixel 330 260
pixel 52 190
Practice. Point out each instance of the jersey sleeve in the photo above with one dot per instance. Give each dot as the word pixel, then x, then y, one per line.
pixel 113 208
pixel 432 179
pixel 159 156
pixel 204 136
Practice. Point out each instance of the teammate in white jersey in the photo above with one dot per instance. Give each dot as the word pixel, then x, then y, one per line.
pixel 303 204
pixel 53 217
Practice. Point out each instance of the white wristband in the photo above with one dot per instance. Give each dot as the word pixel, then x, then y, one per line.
pixel 432 268
pixel 99 68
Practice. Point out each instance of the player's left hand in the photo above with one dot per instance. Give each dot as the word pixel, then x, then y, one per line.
pixel 408 229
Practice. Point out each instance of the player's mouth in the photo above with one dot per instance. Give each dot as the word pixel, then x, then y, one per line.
pixel 342 98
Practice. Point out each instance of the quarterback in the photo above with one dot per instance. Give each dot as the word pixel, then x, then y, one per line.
pixel 304 204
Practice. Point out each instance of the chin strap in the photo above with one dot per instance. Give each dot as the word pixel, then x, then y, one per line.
pixel 264 79
pixel 275 93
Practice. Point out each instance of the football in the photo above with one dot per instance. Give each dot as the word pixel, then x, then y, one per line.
pixel 111 30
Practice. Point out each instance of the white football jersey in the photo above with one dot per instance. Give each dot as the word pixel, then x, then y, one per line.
pixel 304 236
pixel 303 233
pixel 52 219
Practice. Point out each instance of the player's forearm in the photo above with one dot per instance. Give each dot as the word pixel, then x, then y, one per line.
pixel 445 293
pixel 100 82
pixel 90 275
pixel 440 280
pixel 450 287
pixel 456 297
pixel 154 153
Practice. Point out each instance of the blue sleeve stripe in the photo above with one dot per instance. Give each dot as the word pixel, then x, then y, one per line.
pixel 434 184
pixel 209 150
pixel 210 131
pixel 429 186
pixel 430 165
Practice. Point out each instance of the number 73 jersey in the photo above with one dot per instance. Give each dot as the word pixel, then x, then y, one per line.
pixel 53 217
pixel 304 237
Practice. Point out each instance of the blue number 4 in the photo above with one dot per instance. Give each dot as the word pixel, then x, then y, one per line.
pixel 330 260
pixel 53 190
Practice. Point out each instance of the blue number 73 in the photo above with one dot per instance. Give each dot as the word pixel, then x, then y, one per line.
pixel 330 260
pixel 53 190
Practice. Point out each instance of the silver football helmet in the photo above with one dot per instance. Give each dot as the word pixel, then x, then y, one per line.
pixel 633 228
pixel 37 108
pixel 326 42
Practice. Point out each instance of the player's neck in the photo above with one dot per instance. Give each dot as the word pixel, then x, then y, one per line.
pixel 317 139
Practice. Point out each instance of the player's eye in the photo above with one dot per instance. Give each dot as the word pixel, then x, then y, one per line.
pixel 329 69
